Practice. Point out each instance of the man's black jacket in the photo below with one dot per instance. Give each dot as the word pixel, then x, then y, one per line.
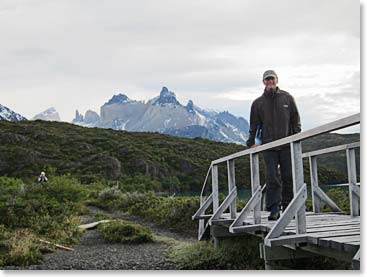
pixel 278 115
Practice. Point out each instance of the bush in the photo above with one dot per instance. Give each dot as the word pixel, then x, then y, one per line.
pixel 125 232
pixel 240 253
pixel 102 216
pixel 46 210
pixel 341 197
pixel 23 248
pixel 172 213
pixel 109 194
pixel 56 199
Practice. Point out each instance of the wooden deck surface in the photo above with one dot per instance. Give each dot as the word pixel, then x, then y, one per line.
pixel 332 230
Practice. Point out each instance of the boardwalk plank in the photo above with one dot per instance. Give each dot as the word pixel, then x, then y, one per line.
pixel 312 237
pixel 337 242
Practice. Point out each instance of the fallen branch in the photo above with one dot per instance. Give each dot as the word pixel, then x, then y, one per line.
pixel 93 224
pixel 57 245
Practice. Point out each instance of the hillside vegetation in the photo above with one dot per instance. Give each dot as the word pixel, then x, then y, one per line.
pixel 135 161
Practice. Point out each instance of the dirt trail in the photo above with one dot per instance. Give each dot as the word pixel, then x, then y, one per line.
pixel 94 253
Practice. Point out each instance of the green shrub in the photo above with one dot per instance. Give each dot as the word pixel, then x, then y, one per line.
pixel 172 213
pixel 61 197
pixel 130 199
pixel 61 229
pixel 125 232
pixel 240 253
pixel 102 216
pixel 47 210
pixel 23 248
pixel 341 197
pixel 109 194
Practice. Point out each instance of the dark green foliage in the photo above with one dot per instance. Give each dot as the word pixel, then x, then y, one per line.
pixel 137 161
pixel 102 216
pixel 173 213
pixel 95 155
pixel 335 162
pixel 125 232
pixel 341 198
pixel 26 203
pixel 31 212
pixel 240 253
pixel 22 248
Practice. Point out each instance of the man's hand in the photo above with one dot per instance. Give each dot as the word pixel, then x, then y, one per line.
pixel 254 145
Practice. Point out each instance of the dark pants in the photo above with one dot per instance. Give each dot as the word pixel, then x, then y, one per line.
pixel 279 184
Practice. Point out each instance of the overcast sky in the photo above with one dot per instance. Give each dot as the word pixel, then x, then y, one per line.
pixel 77 54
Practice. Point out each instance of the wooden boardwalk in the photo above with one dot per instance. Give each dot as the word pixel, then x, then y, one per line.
pixel 296 233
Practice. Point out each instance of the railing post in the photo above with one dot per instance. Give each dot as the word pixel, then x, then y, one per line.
pixel 215 187
pixel 298 181
pixel 352 178
pixel 231 185
pixel 255 184
pixel 316 203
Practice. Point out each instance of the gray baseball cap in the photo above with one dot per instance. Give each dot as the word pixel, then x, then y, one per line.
pixel 269 73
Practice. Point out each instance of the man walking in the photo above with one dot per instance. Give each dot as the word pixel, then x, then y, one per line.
pixel 275 114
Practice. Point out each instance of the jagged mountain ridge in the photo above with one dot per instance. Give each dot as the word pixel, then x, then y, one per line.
pixel 165 114
pixel 10 115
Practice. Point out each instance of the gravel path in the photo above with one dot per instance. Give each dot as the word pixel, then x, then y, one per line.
pixel 157 230
pixel 94 253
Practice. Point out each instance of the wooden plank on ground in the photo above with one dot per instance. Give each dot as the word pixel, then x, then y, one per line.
pixel 93 224
pixel 57 245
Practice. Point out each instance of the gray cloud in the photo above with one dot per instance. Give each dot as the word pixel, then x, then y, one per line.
pixel 76 54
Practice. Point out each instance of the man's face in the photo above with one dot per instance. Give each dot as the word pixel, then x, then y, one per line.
pixel 270 83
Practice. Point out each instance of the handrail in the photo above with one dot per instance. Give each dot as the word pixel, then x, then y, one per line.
pixel 206 179
pixel 331 149
pixel 297 172
pixel 333 126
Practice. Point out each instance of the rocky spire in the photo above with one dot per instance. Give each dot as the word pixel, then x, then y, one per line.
pixel 166 97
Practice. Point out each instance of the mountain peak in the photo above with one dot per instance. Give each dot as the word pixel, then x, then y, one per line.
pixel 8 114
pixel 78 117
pixel 166 97
pixel 190 107
pixel 49 115
pixel 118 99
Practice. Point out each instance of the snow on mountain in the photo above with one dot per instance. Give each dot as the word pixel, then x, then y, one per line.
pixel 48 115
pixel 91 119
pixel 9 115
pixel 166 98
pixel 165 114
pixel 119 99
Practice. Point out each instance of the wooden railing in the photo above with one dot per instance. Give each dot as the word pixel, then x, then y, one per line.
pixel 319 195
pixel 297 206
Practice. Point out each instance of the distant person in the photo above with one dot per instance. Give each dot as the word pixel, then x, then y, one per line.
pixel 42 178
pixel 274 115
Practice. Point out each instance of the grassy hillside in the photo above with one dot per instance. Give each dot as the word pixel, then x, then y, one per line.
pixel 141 161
